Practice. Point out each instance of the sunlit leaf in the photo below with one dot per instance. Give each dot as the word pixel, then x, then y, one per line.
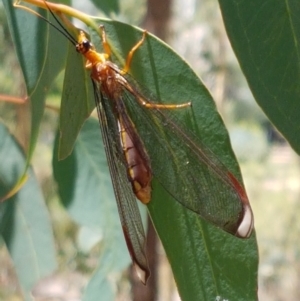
pixel 201 249
pixel 25 223
pixel 77 104
pixel 86 191
pixel 107 6
pixel 42 54
pixel 265 36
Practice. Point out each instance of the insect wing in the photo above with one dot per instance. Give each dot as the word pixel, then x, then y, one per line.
pixel 187 169
pixel 127 205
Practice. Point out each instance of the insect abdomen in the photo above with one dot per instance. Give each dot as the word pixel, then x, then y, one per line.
pixel 138 165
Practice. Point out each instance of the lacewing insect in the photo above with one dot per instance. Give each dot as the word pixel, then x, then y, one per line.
pixel 143 140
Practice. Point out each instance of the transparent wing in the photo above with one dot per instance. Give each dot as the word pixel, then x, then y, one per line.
pixel 186 168
pixel 127 205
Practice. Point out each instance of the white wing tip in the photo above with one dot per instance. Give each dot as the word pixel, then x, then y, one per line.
pixel 246 226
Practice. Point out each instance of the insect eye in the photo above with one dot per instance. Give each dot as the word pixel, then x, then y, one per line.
pixel 86 45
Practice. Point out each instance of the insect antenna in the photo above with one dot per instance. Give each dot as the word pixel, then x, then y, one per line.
pixel 61 29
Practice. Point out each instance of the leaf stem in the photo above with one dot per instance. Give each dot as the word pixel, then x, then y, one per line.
pixel 61 8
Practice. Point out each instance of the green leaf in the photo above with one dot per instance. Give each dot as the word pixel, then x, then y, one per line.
pixel 108 6
pixel 101 283
pixel 200 255
pixel 77 104
pixel 208 264
pixel 42 54
pixel 25 223
pixel 83 178
pixel 86 191
pixel 265 36
pixel 99 286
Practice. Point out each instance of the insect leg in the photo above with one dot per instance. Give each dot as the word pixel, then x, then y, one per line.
pixel 105 44
pixel 132 51
pixel 147 104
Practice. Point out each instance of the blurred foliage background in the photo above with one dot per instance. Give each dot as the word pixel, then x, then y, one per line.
pixel 270 168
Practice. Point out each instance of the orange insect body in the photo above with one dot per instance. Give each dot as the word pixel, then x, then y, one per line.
pixel 139 169
pixel 111 84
